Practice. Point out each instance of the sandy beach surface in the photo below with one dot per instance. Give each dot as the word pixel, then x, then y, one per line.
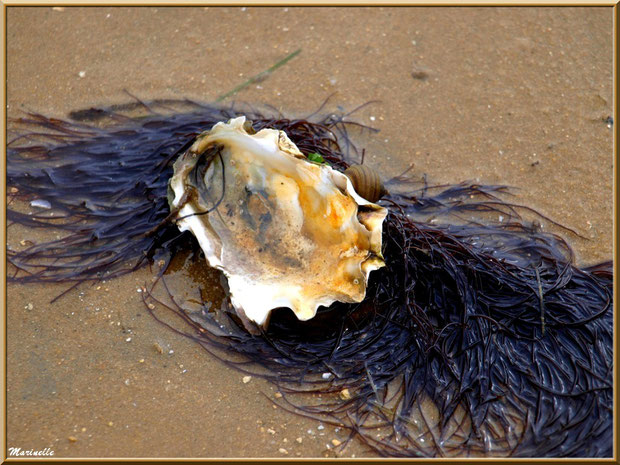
pixel 517 96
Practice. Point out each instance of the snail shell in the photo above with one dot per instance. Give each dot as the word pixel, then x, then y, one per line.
pixel 366 182
pixel 249 128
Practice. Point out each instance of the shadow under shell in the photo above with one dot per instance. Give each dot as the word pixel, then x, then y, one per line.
pixel 479 337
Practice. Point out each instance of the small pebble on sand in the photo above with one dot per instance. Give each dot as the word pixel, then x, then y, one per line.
pixel 299 439
pixel 278 395
pixel 72 438
pixel 336 442
pixel 282 450
pixel 419 74
pixel 247 379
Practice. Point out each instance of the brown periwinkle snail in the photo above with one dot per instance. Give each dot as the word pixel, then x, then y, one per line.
pixel 366 182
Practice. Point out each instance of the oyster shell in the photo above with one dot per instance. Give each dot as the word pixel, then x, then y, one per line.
pixel 285 231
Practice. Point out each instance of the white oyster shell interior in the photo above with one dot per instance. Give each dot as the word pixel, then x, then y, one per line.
pixel 286 232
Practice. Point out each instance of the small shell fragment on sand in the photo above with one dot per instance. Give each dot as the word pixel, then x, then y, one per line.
pixel 40 203
pixel 345 394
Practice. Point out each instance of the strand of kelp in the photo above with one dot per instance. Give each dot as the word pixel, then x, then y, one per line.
pixel 479 337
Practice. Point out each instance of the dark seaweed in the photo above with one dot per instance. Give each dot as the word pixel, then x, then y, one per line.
pixel 488 320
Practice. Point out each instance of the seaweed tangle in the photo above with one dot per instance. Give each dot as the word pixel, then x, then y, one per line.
pixel 480 337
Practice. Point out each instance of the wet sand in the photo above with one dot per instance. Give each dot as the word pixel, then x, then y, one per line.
pixel 502 95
